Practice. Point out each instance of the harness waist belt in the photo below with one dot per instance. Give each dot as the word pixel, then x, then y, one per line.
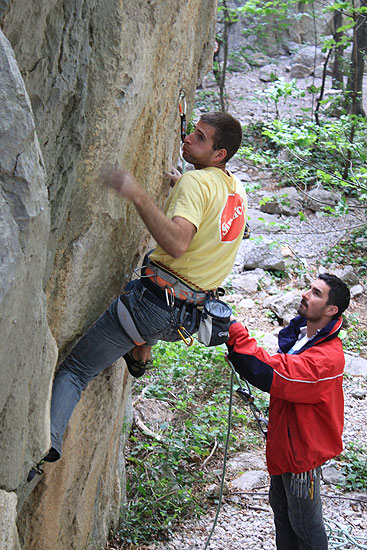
pixel 159 294
pixel 167 282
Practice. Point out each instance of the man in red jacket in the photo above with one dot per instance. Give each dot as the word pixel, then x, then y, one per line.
pixel 306 412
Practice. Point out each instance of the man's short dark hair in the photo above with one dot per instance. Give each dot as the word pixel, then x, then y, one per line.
pixel 339 294
pixel 228 132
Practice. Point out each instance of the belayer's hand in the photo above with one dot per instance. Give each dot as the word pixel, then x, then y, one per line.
pixel 120 180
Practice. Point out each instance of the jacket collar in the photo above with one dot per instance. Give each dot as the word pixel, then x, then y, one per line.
pixel 289 335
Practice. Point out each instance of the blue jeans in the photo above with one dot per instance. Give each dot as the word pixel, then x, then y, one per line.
pixel 298 521
pixel 104 343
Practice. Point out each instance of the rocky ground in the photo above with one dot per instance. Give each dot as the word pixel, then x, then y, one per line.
pixel 245 520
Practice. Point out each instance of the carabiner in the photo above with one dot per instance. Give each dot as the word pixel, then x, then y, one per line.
pixel 182 109
pixel 185 336
pixel 170 296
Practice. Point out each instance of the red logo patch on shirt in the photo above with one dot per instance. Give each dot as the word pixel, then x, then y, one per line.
pixel 232 219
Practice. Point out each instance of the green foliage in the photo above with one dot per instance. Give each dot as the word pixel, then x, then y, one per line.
pixel 236 61
pixel 314 154
pixel 273 15
pixel 207 100
pixel 351 250
pixel 280 89
pixel 355 469
pixel 165 478
pixel 354 339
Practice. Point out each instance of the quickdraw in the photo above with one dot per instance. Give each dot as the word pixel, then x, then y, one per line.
pixel 249 399
pixel 182 109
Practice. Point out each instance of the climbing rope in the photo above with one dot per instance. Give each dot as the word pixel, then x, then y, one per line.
pixel 224 463
pixel 339 536
pixel 262 423
pixel 249 399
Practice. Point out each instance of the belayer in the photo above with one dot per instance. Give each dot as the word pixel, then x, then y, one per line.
pixel 306 411
pixel 197 235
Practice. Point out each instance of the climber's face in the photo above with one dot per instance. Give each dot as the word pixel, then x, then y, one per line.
pixel 198 147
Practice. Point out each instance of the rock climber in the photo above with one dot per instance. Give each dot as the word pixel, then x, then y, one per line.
pixel 306 412
pixel 198 234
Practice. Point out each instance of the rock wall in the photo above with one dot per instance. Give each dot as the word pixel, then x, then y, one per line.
pixel 83 83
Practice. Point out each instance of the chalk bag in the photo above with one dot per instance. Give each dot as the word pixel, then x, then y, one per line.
pixel 214 323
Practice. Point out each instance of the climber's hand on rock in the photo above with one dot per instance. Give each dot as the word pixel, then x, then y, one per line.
pixel 121 181
pixel 174 175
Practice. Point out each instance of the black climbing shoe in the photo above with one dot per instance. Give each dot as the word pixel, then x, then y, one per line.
pixel 36 470
pixel 51 456
pixel 136 368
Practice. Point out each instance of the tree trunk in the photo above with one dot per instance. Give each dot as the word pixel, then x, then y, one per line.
pixel 337 76
pixel 355 79
pixel 226 23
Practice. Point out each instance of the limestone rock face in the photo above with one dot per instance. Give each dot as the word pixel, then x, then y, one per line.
pixel 84 83
pixel 8 513
pixel 27 352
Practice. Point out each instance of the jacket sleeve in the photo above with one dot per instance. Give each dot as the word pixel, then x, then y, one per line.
pixel 241 354
pixel 302 378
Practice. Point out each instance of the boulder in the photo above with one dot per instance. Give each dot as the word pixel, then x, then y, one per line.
pixel 263 223
pixel 332 474
pixel 359 393
pixel 249 282
pixel 252 479
pixel 266 340
pixel 245 461
pixel 287 202
pixel 355 365
pixel 263 253
pixel 319 198
pixel 300 71
pixel 269 73
pixel 309 56
pixel 347 274
pixel 284 305
pixel 356 290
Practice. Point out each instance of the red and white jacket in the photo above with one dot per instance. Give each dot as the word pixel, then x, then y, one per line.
pixel 306 412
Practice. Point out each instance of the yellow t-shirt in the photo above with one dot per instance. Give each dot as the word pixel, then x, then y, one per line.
pixel 216 204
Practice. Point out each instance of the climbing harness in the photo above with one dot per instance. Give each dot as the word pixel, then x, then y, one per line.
pixel 167 286
pixel 173 287
pixel 182 111
pixel 249 399
pixel 128 324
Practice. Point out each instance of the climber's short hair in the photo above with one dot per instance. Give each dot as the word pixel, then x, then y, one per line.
pixel 228 132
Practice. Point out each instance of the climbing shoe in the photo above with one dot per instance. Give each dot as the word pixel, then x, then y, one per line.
pixel 36 470
pixel 136 368
pixel 51 456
